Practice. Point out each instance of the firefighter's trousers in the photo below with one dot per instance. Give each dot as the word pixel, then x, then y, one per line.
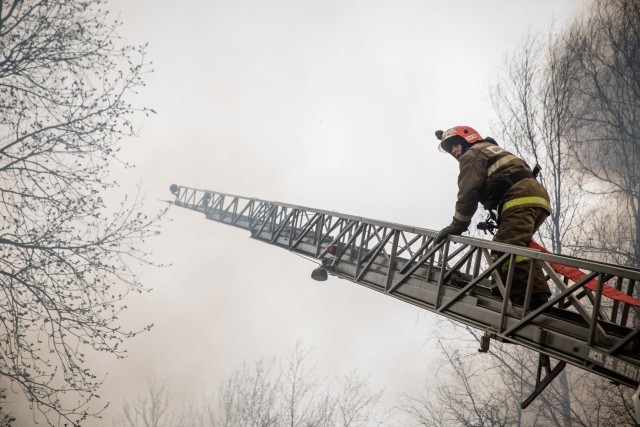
pixel 517 226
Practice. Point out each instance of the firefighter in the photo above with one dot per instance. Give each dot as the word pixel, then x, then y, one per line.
pixel 499 180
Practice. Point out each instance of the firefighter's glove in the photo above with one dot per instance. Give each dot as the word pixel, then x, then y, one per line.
pixel 456 228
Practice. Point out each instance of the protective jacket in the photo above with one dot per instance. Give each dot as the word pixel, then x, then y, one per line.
pixel 499 180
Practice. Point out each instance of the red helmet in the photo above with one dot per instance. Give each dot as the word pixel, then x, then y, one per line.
pixel 460 134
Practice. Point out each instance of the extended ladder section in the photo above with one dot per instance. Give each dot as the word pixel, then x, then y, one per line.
pixel 580 325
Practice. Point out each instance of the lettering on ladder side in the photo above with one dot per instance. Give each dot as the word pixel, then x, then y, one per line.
pixel 608 362
pixel 596 356
pixel 613 364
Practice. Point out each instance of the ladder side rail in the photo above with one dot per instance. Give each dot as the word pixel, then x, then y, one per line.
pixel 532 254
pixel 271 213
pixel 186 193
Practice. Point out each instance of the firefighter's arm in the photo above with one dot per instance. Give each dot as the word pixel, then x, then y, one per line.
pixel 471 182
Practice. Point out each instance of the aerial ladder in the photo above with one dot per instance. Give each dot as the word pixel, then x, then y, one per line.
pixel 592 321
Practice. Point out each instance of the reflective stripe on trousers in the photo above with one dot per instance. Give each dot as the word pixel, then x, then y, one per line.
pixel 505 266
pixel 532 200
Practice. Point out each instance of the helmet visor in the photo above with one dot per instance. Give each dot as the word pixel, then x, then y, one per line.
pixel 447 145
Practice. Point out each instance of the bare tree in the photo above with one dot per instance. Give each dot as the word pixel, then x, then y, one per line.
pixel 305 400
pixel 249 397
pixel 598 402
pixel 466 391
pixel 356 405
pixel 604 45
pixel 462 394
pixel 67 257
pixel 151 409
pixel 266 394
pixel 533 102
pixel 156 408
pixel 297 396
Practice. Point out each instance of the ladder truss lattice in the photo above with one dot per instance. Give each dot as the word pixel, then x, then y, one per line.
pixel 578 326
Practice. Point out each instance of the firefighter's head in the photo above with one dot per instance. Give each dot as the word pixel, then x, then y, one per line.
pixel 457 140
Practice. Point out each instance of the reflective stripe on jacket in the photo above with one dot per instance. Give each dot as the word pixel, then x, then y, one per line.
pixel 482 166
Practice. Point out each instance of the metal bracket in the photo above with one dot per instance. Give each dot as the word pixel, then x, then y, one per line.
pixel 329 262
pixel 485 340
pixel 542 383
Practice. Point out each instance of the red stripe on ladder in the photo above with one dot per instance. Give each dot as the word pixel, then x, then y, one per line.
pixel 576 274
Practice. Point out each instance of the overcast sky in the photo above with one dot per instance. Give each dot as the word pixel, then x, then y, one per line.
pixel 329 104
